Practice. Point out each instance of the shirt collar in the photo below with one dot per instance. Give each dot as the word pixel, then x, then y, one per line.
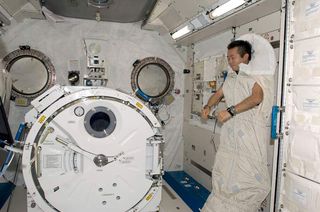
pixel 234 74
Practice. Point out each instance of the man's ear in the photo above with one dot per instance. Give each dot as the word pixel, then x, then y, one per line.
pixel 246 57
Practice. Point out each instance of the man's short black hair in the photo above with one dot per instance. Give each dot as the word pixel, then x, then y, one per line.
pixel 243 47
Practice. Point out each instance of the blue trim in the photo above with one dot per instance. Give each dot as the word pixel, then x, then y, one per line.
pixel 142 95
pixel 274 119
pixel 19 132
pixel 190 191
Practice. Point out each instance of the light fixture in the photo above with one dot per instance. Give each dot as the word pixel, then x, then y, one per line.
pixel 211 16
pixel 226 7
pixel 183 31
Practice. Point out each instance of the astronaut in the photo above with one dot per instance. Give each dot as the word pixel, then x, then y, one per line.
pixel 240 178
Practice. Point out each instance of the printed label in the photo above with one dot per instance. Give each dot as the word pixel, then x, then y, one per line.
pixel 52 161
pixel 149 196
pixel 41 119
pixel 126 159
pixel 140 106
pixel 309 56
pixel 311 104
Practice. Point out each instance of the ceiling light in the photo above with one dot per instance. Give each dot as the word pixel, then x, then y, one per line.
pixel 183 31
pixel 230 5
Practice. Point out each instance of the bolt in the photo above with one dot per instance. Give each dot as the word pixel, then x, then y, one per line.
pixel 33 205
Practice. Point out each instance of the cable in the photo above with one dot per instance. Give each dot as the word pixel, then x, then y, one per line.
pixel 14 181
pixel 214 129
pixel 19 135
pixel 167 113
pixel 212 135
pixel 164 120
pixel 85 46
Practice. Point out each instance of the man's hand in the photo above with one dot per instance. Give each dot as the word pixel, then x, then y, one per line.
pixel 223 116
pixel 205 112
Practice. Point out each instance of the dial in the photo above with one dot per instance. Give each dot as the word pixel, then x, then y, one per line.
pixel 79 111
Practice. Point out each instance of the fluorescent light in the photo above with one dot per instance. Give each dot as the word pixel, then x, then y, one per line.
pixel 230 5
pixel 182 31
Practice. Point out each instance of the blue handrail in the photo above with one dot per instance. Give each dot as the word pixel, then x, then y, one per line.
pixel 274 121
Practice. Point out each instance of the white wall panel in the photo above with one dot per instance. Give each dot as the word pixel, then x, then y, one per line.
pixel 300 165
pixel 306 15
pixel 307 62
pixel 307 99
pixel 304 153
pixel 300 195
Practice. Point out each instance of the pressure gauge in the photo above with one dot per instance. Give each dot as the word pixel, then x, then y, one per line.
pixel 79 111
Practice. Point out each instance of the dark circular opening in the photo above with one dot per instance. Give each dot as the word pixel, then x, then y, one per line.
pixel 99 121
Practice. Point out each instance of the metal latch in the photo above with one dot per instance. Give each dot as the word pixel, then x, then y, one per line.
pixel 156 139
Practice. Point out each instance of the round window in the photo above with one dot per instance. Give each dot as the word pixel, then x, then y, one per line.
pixel 32 72
pixel 153 77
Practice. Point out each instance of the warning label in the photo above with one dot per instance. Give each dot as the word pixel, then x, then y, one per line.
pixel 52 161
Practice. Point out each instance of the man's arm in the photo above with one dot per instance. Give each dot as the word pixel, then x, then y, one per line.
pixel 248 103
pixel 213 100
pixel 251 101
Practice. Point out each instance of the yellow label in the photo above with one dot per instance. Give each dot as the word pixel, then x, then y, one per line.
pixel 149 197
pixel 139 105
pixel 21 101
pixel 41 119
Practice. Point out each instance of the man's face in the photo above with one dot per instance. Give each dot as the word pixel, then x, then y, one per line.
pixel 234 58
